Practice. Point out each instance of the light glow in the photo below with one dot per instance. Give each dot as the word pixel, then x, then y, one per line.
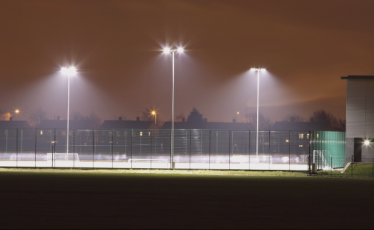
pixel 257 69
pixel 69 71
pixel 367 142
pixel 180 50
pixel 153 112
pixel 17 111
pixel 167 50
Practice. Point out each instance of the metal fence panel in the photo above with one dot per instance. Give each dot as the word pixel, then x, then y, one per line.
pixel 193 149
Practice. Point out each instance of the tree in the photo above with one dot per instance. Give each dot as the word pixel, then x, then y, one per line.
pixel 147 114
pixel 293 118
pixel 325 116
pixel 79 116
pixel 195 116
pixel 264 123
pixel 37 116
pixel 341 125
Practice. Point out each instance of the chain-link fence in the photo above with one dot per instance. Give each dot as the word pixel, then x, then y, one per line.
pixel 193 149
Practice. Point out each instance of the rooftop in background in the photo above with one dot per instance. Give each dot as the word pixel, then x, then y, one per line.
pixel 358 77
pixel 209 125
pixel 128 124
pixel 61 124
pixel 300 126
pixel 14 125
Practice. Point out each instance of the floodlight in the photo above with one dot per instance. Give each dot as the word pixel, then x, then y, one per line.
pixel 167 50
pixel 17 111
pixel 69 72
pixel 153 112
pixel 257 69
pixel 367 142
pixel 180 50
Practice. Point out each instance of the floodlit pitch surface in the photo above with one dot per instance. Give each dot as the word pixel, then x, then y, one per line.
pixel 46 198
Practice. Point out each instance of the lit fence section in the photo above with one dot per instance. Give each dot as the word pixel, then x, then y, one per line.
pixel 193 149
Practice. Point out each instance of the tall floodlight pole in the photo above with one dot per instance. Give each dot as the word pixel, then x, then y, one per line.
pixel 68 72
pixel 167 50
pixel 258 70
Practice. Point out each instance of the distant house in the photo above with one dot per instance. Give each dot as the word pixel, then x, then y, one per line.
pixel 128 124
pixel 210 125
pixel 14 125
pixel 62 124
pixel 300 126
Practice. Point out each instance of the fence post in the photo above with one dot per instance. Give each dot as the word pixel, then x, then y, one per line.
pixel 190 149
pixel 171 163
pixel 73 148
pixel 36 130
pixel 249 149
pixel 309 158
pixel 151 147
pixel 229 149
pixel 352 161
pixel 269 152
pixel 93 149
pixel 17 148
pixel 331 166
pixel 52 156
pixel 131 147
pixel 289 150
pixel 210 135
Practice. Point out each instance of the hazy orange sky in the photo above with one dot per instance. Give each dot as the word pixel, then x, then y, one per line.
pixel 305 45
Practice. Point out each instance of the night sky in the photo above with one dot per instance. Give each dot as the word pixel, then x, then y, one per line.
pixel 116 46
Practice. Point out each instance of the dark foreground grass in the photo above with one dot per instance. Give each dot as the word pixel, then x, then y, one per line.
pixel 181 199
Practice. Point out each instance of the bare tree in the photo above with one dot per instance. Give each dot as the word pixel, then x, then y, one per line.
pixel 37 116
pixel 293 118
pixel 264 122
pixel 325 116
pixel 147 114
pixel 79 116
pixel 341 125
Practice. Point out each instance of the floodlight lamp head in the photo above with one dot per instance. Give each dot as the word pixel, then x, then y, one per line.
pixel 180 50
pixel 257 69
pixel 69 72
pixel 167 50
pixel 153 112
pixel 17 111
pixel 367 142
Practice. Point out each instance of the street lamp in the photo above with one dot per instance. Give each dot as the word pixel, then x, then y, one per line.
pixel 258 70
pixel 154 114
pixel 167 50
pixel 68 72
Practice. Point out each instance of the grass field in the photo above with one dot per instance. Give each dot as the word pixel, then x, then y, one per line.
pixel 46 198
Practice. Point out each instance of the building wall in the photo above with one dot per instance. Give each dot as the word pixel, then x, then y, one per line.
pixel 368 152
pixel 349 149
pixel 360 109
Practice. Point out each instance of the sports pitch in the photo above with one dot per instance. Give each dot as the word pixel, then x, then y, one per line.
pixel 46 198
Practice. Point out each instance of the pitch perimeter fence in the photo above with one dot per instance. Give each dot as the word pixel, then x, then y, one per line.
pixel 193 149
